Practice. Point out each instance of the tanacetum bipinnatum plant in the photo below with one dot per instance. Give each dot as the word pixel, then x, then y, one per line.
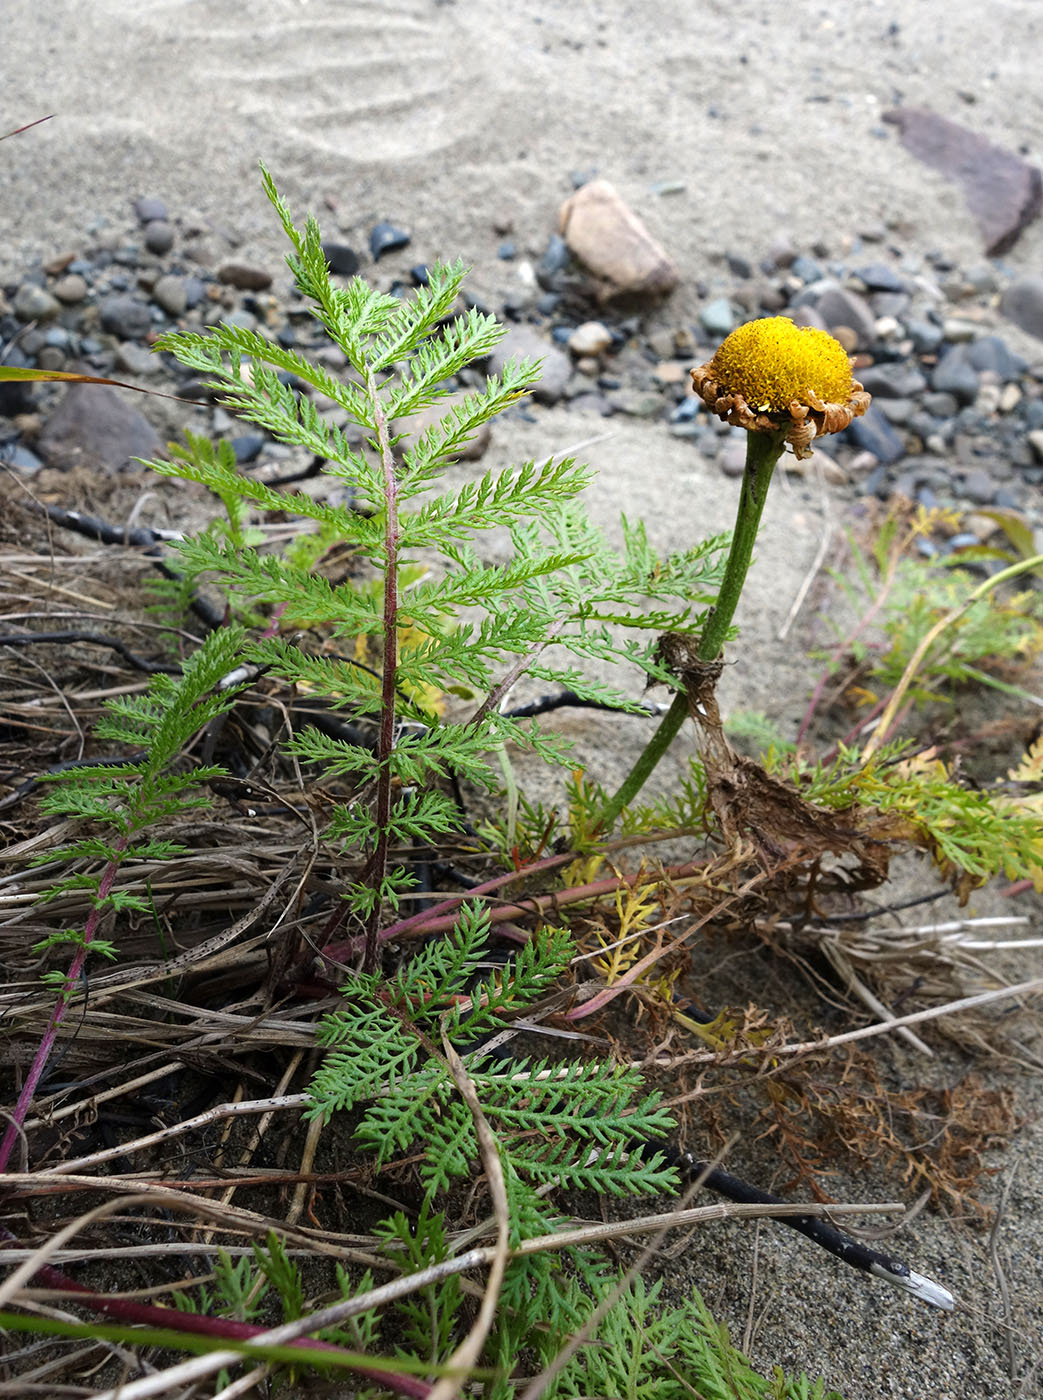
pixel 440 619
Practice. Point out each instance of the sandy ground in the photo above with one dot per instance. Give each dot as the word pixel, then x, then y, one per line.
pixel 455 118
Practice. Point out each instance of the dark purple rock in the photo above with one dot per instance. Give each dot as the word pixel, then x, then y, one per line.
pixel 1022 303
pixel 159 236
pixel 245 277
pixel 343 261
pixel 1003 192
pixel 873 433
pixel 94 426
pixel 126 317
pixel 386 238
pixel 149 209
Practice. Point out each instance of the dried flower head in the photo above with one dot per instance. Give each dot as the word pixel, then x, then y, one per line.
pixel 771 374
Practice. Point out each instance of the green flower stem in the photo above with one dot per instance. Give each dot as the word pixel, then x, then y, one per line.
pixel 763 450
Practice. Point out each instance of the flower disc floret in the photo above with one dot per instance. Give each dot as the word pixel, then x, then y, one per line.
pixel 772 375
pixel 772 362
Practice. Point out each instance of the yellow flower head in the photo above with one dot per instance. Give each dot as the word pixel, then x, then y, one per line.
pixel 772 374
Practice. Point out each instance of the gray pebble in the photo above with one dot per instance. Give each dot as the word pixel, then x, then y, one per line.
pixel 717 318
pixel 13 454
pixel 992 353
pixel 955 375
pixel 159 237
pixel 873 433
pixel 979 487
pixel 33 303
pixel 893 381
pixel 1022 303
pixel 125 317
pixel 51 358
pixel 148 209
pixel 941 405
pixel 925 335
pixel 71 288
pixel 879 277
pixel 135 359
pixel 527 342
pixel 171 294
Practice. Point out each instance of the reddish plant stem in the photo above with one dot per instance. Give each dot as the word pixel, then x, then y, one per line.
pixel 386 736
pixel 173 1319
pixel 436 921
pixel 72 978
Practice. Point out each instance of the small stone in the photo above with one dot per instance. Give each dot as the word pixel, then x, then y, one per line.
pixel 671 372
pixel 873 433
pixel 343 261
pixel 125 317
pixel 782 251
pixel 941 405
pixel 33 303
pixel 245 276
pixel 979 487
pixel 893 381
pixel 1022 303
pixel 248 447
pixel 525 342
pixel 988 401
pixel 847 336
pixel 879 277
pixel 955 375
pixel 135 359
pixel 897 411
pixel 925 335
pixel 958 331
pixel 717 318
pixel 615 246
pixel 839 307
pixel 159 237
pixel 807 269
pixel 830 471
pixel 861 463
pixel 17 455
pixel 507 251
pixel 149 209
pixel 732 457
pixel 591 338
pixel 386 238
pixel 71 289
pixel 94 426
pixel 50 358
pixel 1003 192
pixel 1010 397
pixel 738 265
pixel 990 353
pixel 171 294
pixel 1035 441
pixel 240 318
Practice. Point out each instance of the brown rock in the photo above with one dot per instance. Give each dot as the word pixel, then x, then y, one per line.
pixel 94 426
pixel 245 277
pixel 614 245
pixel 1003 192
